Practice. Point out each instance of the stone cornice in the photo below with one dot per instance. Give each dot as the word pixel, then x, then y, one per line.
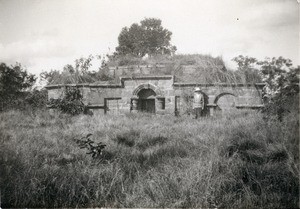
pixel 164 77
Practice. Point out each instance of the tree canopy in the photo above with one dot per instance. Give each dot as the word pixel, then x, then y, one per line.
pixel 148 37
pixel 248 69
pixel 78 73
pixel 281 90
pixel 14 80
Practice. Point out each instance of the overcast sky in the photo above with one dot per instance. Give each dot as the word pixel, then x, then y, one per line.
pixel 48 34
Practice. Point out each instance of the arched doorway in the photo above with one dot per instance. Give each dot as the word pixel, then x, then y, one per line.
pixel 146 100
pixel 198 93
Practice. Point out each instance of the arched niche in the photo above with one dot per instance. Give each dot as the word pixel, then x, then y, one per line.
pixel 225 101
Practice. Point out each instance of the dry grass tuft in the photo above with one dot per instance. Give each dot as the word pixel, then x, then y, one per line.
pixel 237 160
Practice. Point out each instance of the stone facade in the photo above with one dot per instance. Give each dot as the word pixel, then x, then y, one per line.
pixel 161 95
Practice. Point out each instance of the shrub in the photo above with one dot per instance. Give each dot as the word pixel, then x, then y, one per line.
pixel 15 82
pixel 71 103
pixel 36 99
pixel 281 92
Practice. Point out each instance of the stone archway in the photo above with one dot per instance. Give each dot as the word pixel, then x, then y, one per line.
pixel 225 101
pixel 146 86
pixel 147 98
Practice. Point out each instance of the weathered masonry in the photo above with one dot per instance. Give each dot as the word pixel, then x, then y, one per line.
pixel 161 95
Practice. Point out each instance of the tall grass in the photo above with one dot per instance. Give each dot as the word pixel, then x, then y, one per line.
pixel 237 160
pixel 206 69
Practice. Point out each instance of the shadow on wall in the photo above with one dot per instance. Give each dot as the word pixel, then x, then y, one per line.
pixel 205 111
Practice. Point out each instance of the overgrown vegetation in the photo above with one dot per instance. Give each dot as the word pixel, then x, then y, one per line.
pixel 240 160
pixel 78 73
pixel 70 102
pixel 205 69
pixel 94 149
pixel 237 160
pixel 16 89
pixel 281 92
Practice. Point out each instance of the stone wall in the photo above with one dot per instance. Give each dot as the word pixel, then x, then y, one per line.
pixel 170 97
pixel 135 70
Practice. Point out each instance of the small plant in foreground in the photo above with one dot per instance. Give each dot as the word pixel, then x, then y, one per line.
pixel 94 149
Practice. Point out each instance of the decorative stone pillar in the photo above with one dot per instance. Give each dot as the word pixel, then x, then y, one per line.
pixel 212 108
pixel 211 111
pixel 160 103
pixel 134 107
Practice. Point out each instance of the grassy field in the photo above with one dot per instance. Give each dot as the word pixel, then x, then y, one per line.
pixel 237 160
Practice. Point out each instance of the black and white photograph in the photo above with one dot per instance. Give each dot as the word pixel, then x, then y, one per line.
pixel 149 103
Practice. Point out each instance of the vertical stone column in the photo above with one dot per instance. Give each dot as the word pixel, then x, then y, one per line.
pixel 212 109
pixel 86 92
pixel 134 107
pixel 160 103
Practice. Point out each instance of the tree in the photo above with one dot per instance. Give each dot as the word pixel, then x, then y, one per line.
pixel 247 69
pixel 14 81
pixel 79 73
pixel 147 38
pixel 281 92
pixel 245 63
pixel 50 77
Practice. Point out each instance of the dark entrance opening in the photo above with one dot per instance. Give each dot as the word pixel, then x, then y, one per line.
pixel 147 105
pixel 146 102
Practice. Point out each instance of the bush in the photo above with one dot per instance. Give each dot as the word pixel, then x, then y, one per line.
pixel 15 82
pixel 36 99
pixel 71 103
pixel 281 92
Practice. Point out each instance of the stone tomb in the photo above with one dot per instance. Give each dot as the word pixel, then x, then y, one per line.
pixel 161 95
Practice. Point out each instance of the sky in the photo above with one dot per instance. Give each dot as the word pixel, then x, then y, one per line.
pixel 48 34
